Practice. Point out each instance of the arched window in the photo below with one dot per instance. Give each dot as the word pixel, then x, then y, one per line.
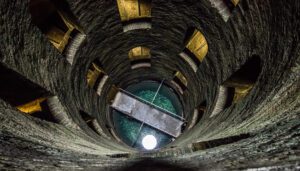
pixel 139 57
pixel 112 93
pixel 26 96
pixel 58 25
pixel 238 85
pixel 197 115
pixel 224 99
pixel 180 82
pixel 96 77
pixel 195 50
pixel 135 14
pixel 91 122
pixel 225 7
pixel 243 80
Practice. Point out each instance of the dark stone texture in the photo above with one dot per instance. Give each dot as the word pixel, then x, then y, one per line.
pixel 270 113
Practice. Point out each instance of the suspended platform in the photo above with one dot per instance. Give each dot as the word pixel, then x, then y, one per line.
pixel 147 113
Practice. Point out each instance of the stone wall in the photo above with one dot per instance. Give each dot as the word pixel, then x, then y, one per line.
pixel 269 114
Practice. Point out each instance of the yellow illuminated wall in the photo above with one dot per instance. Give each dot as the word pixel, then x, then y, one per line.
pixel 112 93
pixel 138 53
pixel 235 2
pixel 32 107
pixel 198 45
pixel 182 78
pixel 241 88
pixel 134 9
pixel 93 73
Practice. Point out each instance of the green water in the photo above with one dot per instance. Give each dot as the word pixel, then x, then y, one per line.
pixel 160 100
pixel 128 128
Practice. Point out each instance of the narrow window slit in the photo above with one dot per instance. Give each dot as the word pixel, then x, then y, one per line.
pixel 96 77
pixel 121 155
pixel 139 57
pixel 112 93
pixel 91 122
pixel 180 82
pixel 218 142
pixel 98 129
pixel 197 115
pixel 113 134
pixel 225 7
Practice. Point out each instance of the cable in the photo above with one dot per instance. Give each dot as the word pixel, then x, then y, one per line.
pixel 140 129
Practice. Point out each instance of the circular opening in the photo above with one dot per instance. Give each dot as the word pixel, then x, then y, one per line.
pixel 132 131
pixel 149 142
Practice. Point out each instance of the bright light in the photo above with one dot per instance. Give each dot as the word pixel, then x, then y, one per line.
pixel 149 142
